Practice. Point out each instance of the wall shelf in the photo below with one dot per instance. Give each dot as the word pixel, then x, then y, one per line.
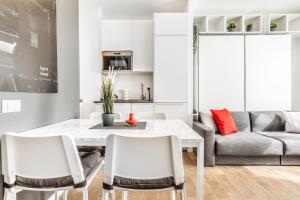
pixel 281 20
pixel 294 22
pixel 217 24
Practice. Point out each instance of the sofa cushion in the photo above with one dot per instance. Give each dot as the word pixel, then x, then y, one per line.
pixel 207 119
pixel 247 144
pixel 291 141
pixel 267 121
pixel 292 122
pixel 242 121
pixel 224 121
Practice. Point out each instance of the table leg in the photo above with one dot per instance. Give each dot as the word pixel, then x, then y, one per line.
pixel 200 171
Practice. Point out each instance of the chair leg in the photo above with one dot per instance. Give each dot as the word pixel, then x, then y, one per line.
pixel 183 194
pixel 113 195
pixel 124 195
pixel 56 196
pixel 85 193
pixel 65 195
pixel 173 195
pixel 105 195
pixel 9 195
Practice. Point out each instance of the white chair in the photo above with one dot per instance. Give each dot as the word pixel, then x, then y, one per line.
pixel 98 115
pixel 144 116
pixel 143 164
pixel 49 163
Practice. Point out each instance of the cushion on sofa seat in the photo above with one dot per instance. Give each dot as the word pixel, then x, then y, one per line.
pixel 247 144
pixel 89 161
pixel 291 141
pixel 267 121
pixel 242 121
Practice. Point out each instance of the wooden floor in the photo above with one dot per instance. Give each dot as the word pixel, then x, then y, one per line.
pixel 225 183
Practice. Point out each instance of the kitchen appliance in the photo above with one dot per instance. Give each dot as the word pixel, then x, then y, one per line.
pixel 120 60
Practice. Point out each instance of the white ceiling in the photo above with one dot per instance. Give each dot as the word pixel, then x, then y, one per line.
pixel 245 6
pixel 130 9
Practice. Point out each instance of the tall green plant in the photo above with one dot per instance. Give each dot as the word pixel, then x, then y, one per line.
pixel 107 92
pixel 196 33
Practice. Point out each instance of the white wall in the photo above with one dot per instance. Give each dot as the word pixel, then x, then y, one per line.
pixel 43 109
pixel 90 16
pixel 296 75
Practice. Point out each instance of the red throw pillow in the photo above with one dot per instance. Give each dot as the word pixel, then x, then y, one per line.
pixel 224 121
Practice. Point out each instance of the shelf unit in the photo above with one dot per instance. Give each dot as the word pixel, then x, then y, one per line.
pixel 287 23
pixel 217 24
pixel 294 22
pixel 281 20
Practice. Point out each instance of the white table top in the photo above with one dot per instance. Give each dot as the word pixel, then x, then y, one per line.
pixel 80 130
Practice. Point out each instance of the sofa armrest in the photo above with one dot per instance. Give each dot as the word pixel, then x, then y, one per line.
pixel 208 135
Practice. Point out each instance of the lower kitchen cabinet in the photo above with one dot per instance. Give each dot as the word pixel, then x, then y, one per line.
pixel 142 107
pixel 173 110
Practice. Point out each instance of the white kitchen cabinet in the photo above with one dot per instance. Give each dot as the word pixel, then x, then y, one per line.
pixel 143 45
pixel 173 110
pixel 268 72
pixel 123 108
pixel 171 69
pixel 142 107
pixel 116 35
pixel 221 72
pixel 171 23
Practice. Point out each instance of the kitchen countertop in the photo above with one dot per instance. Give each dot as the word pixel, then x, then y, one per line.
pixel 128 101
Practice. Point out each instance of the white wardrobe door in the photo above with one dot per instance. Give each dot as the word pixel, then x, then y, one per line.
pixel 221 72
pixel 268 72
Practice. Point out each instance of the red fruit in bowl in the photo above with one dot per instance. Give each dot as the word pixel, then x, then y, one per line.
pixel 131 121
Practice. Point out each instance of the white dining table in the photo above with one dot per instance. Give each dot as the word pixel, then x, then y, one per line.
pixel 81 130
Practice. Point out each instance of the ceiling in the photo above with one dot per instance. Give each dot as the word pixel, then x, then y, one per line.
pixel 245 6
pixel 131 9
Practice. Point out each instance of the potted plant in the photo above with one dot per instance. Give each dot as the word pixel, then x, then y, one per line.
pixel 249 27
pixel 107 96
pixel 231 27
pixel 273 26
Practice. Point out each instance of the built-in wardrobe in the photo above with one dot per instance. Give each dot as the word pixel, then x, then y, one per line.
pixel 245 72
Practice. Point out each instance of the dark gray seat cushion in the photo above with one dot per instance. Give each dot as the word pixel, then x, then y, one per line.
pixel 89 160
pixel 291 141
pixel 267 121
pixel 144 184
pixel 247 144
pixel 242 121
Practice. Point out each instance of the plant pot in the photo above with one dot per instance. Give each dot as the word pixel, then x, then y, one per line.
pixel 249 29
pixel 273 29
pixel 231 29
pixel 108 119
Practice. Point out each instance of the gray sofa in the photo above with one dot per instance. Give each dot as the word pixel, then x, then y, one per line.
pixel 261 140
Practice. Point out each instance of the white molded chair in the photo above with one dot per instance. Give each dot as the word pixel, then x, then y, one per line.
pixel 144 116
pixel 98 115
pixel 143 164
pixel 48 163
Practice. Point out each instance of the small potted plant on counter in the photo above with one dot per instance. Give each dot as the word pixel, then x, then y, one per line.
pixel 273 26
pixel 107 95
pixel 231 27
pixel 249 27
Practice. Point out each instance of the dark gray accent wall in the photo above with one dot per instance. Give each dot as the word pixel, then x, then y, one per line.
pixel 43 109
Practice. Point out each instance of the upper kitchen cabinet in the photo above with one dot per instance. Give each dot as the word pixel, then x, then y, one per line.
pixel 143 42
pixel 172 59
pixel 116 35
pixel 171 23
